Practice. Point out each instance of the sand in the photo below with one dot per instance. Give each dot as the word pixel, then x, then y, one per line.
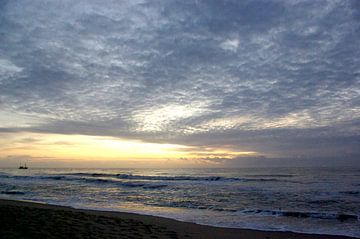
pixel 20 219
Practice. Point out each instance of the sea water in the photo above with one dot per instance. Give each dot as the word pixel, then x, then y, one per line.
pixel 310 200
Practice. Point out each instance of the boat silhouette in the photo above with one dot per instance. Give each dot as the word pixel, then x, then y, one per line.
pixel 23 167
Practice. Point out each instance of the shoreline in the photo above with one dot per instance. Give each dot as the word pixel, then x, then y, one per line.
pixel 35 220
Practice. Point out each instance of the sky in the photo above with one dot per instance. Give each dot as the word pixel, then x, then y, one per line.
pixel 173 83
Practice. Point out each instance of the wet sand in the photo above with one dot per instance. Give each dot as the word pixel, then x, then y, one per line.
pixel 20 219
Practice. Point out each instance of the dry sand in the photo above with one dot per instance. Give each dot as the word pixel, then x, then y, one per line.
pixel 20 219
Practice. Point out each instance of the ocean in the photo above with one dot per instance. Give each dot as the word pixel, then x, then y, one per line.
pixel 309 200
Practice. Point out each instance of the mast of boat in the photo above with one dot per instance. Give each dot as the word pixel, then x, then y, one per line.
pixel 23 167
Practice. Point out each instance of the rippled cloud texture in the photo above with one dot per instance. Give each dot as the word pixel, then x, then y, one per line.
pixel 280 78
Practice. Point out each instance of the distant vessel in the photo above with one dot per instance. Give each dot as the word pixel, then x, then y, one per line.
pixel 23 167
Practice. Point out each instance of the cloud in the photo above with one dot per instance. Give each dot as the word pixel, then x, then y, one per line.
pixel 257 75
pixel 8 69
pixel 230 45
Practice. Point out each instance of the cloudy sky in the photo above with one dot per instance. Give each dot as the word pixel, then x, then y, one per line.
pixel 201 82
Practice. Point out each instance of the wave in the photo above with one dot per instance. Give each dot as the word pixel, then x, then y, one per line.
pixel 12 192
pixel 122 184
pixel 117 182
pixel 145 177
pixel 175 178
pixel 262 212
pixel 324 201
pixel 2 175
pixel 26 177
pixel 76 176
pixel 55 177
pixel 351 192
pixel 272 175
pixel 298 214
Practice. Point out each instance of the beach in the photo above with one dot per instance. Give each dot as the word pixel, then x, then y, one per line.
pixel 21 219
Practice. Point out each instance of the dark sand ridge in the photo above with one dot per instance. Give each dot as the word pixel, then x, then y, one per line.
pixel 20 219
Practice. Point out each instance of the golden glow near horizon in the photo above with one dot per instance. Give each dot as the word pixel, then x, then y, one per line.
pixel 83 147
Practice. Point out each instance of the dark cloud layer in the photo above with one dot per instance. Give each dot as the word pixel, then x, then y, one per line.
pixel 277 77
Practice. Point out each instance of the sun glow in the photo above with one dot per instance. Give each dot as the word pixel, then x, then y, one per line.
pixel 88 147
pixel 81 148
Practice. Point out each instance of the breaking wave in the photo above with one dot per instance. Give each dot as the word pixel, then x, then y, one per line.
pixel 175 178
pixel 315 215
